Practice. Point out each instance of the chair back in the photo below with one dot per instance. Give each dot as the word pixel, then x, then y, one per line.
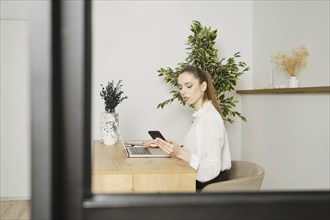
pixel 242 176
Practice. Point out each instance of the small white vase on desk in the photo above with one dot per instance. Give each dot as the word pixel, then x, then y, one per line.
pixel 293 82
pixel 109 128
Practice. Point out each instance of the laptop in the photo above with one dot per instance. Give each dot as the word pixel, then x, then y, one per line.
pixel 139 151
pixel 135 149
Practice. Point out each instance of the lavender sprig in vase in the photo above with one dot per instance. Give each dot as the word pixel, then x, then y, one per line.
pixel 113 96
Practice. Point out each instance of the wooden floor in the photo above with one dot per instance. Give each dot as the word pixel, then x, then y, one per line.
pixel 15 209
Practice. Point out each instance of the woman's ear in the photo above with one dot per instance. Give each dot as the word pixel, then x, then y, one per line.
pixel 203 86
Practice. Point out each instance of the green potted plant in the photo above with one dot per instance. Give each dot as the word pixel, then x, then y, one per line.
pixel 112 95
pixel 224 73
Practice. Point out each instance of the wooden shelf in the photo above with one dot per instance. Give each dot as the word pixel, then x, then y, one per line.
pixel 318 89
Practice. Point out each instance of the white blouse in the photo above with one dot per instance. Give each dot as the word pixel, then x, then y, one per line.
pixel 207 143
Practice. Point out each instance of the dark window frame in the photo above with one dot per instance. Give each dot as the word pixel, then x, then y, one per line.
pixel 61 143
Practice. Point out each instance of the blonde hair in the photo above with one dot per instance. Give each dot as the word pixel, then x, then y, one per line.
pixel 204 76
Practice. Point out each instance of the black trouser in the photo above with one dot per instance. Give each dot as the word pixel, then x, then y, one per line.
pixel 221 177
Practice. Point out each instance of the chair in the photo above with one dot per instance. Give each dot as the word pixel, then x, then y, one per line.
pixel 243 176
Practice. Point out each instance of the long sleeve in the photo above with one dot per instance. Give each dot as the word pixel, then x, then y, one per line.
pixel 206 142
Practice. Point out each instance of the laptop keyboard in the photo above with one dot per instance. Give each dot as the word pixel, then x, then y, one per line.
pixel 139 150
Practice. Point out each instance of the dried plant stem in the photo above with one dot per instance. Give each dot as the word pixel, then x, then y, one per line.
pixel 291 62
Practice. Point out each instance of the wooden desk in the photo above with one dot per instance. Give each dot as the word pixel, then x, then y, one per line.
pixel 114 172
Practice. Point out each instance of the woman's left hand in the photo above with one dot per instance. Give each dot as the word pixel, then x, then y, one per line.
pixel 169 146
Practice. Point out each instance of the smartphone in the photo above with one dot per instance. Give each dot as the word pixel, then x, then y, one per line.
pixel 156 134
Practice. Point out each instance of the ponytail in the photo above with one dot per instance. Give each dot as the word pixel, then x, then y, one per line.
pixel 210 93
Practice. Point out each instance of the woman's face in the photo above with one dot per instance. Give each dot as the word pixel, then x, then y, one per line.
pixel 191 90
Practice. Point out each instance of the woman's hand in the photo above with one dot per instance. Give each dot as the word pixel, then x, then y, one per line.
pixel 173 149
pixel 151 143
pixel 169 146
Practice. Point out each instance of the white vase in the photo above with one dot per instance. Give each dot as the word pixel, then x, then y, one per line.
pixel 109 128
pixel 293 82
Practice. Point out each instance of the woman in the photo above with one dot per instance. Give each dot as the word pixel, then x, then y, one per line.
pixel 206 145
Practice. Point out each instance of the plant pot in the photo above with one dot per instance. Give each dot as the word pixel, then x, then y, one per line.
pixel 293 82
pixel 109 128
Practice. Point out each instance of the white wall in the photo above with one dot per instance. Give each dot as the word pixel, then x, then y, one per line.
pixel 133 39
pixel 288 134
pixel 15 101
pixel 282 25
